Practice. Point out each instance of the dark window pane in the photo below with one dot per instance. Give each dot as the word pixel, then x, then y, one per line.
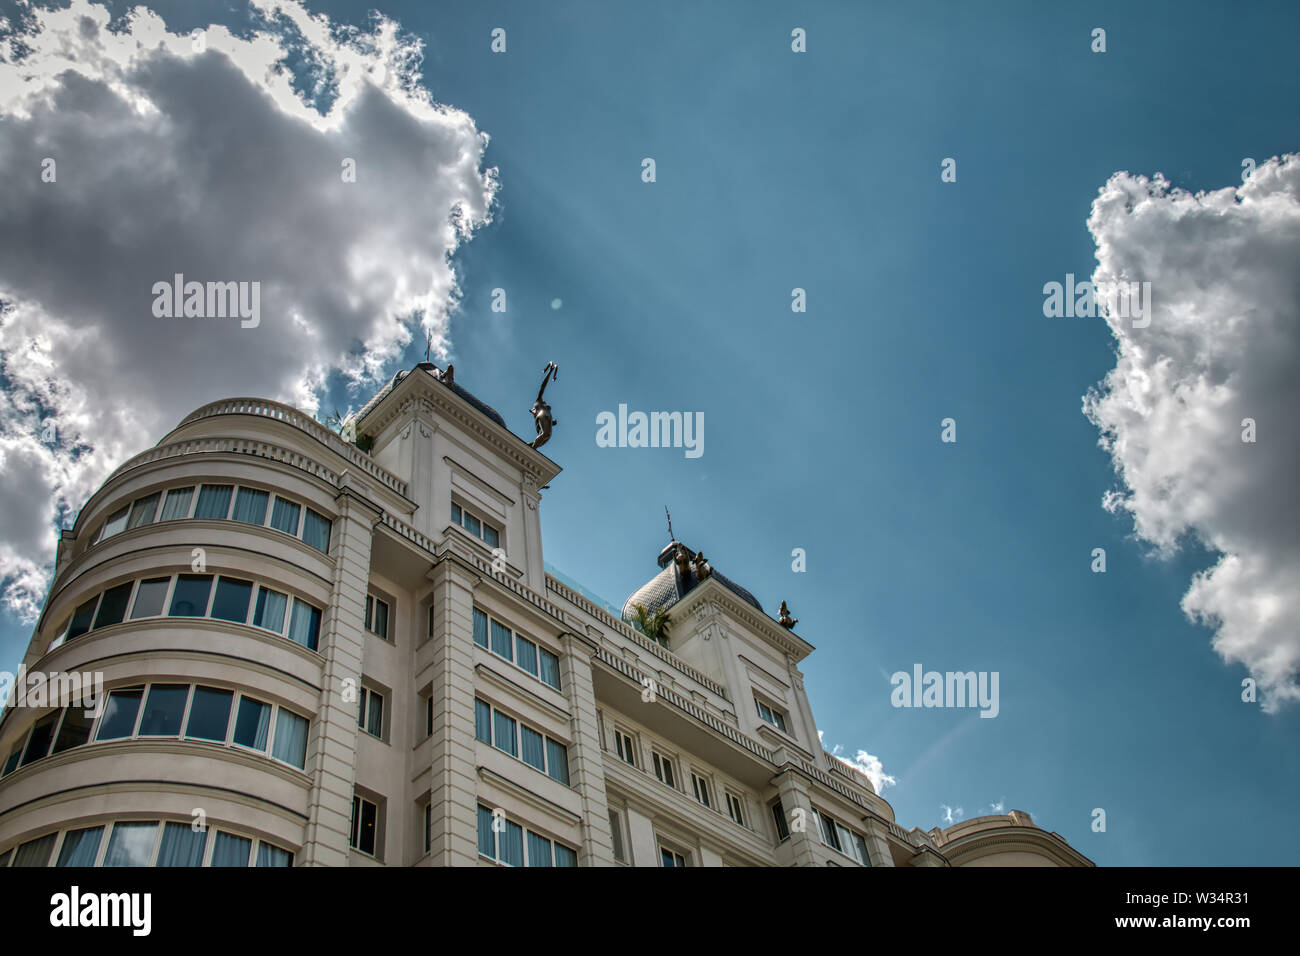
pixel 501 640
pixel 35 852
pixel 150 597
pixel 482 721
pixel 526 655
pixel 112 609
pixel 268 855
pixel 564 856
pixel 549 666
pixel 142 512
pixel 38 744
pixel 471 524
pixel 480 628
pixel 252 723
pixel 231 602
pixel 270 610
pixel 539 850
pixel 250 506
pixel 316 531
pixel 486 836
pixel 209 714
pixel 82 618
pixel 119 714
pixel 490 536
pixel 181 845
pixel 231 850
pixel 80 847
pixel 74 731
pixel 115 524
pixel 504 733
pixel 366 827
pixel 375 716
pixel 284 517
pixel 557 761
pixel 512 844
pixel 177 504
pixel 381 618
pixel 214 501
pixel 534 752
pixel 455 514
pixel 190 599
pixel 163 709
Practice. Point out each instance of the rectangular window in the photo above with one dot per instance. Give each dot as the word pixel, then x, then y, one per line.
pixel 269 855
pixel 269 611
pixel 860 850
pixel 663 768
pixel 428 827
pixel 734 808
pixel 490 536
pixel 181 846
pixel 475 526
pixel 549 668
pixel 482 721
pixel 501 640
pixel 177 504
pixel 370 712
pixel 503 733
pixel 214 501
pixel 119 714
pixel 150 597
pixel 487 838
pixel 827 827
pixel 290 738
pixel 701 787
pixel 250 506
pixel 377 616
pixel 35 852
pixel 112 608
pixel 209 717
pixel 626 749
pixel 511 844
pixel 284 516
pixel 190 599
pixel 82 618
pixel 557 761
pixel 526 654
pixel 480 628
pixel 304 625
pixel 770 714
pixel 534 749
pixel 616 833
pixel 115 524
pixel 74 731
pixel 38 742
pixel 428 715
pixel 142 511
pixel 131 844
pixel 316 531
pixel 232 600
pixel 11 763
pixel 230 850
pixel 365 819
pixel 252 721
pixel 80 847
pixel 163 709
pixel 539 850
pixel 671 857
pixel 565 856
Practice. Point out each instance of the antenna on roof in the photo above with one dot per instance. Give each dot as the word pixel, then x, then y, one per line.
pixel 670 524
pixel 428 346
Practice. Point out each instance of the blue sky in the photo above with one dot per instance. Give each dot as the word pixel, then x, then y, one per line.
pixel 821 171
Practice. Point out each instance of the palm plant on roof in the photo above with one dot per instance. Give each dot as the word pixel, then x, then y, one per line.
pixel 653 625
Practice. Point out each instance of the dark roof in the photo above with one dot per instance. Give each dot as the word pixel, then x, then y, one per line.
pixel 670 585
pixel 430 368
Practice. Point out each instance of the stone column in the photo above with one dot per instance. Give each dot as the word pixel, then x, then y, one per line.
pixel 794 795
pixel 334 734
pixel 454 783
pixel 877 840
pixel 586 760
pixel 643 848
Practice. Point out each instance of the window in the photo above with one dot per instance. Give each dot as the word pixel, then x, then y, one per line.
pixel 150 597
pixel 38 741
pixel 839 837
pixel 428 715
pixel 316 531
pixel 181 845
pixel 142 511
pixel 270 855
pixel 505 842
pixel 519 740
pixel 145 843
pixel 284 516
pixel 190 597
pixel 735 809
pixel 778 816
pixel 365 819
pixel 112 607
pixel 290 738
pixel 115 524
pixel 230 850
pixel 616 834
pixel 370 712
pixel 163 708
pixel 36 852
pixel 428 827
pixel 475 525
pixel 514 647
pixel 214 501
pixel 700 786
pixel 626 748
pixel 252 721
pixel 82 618
pixel 80 847
pixel 119 714
pixel 663 768
pixel 670 857
pixel 771 714
pixel 232 599
pixel 377 616
pixel 304 627
pixel 269 611
pixel 177 504
pixel 250 506
pixel 209 717
pixel 131 844
pixel 429 632
pixel 74 730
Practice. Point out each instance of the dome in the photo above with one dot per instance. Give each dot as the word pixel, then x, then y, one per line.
pixel 673 583
pixel 432 369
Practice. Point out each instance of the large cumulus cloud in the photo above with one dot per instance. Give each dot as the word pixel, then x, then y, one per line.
pixel 1223 345
pixel 222 164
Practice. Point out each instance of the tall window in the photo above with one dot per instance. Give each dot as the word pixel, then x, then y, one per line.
pixel 734 808
pixel 475 525
pixel 514 647
pixel 778 817
pixel 700 785
pixel 616 834
pixel 521 741
pixel 370 712
pixel 663 768
pixel 771 714
pixel 377 616
pixel 670 857
pixel 625 747
pixel 363 833
pixel 510 843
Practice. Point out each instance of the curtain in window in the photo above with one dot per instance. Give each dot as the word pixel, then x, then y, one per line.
pixel 557 761
pixel 290 739
pixel 284 517
pixel 482 721
pixel 270 610
pixel 268 855
pixel 564 856
pixel 80 847
pixel 539 850
pixel 130 844
pixel 512 844
pixel 177 504
pixel 486 838
pixel 142 512
pixel 231 850
pixel 251 724
pixel 214 501
pixel 550 668
pixel 316 531
pixel 480 628
pixel 501 640
pixel 504 736
pixel 534 753
pixel 304 626
pixel 181 845
pixel 250 506
pixel 35 852
pixel 526 655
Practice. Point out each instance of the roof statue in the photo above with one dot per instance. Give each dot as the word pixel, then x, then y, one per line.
pixel 541 411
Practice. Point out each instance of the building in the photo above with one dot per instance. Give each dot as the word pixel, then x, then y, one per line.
pixel 328 652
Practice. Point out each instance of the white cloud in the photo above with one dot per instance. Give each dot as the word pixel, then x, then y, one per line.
pixel 864 763
pixel 211 165
pixel 950 815
pixel 1223 345
pixel 999 807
